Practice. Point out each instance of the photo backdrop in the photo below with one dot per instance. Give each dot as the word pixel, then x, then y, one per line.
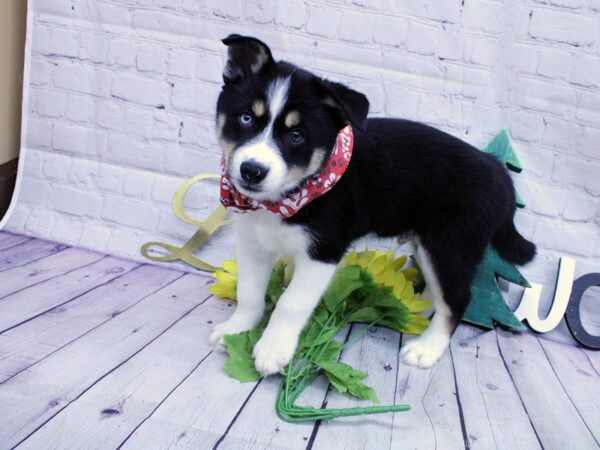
pixel 120 96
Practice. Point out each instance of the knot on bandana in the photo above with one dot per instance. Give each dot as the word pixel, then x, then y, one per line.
pixel 315 186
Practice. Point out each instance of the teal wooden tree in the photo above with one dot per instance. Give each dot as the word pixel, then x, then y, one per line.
pixel 487 303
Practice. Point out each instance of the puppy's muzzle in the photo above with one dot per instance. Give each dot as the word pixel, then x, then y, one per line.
pixel 253 172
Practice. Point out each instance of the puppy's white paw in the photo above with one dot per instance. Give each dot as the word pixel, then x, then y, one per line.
pixel 235 324
pixel 424 351
pixel 273 351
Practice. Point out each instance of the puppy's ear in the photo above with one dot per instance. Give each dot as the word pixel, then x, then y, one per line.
pixel 245 56
pixel 353 105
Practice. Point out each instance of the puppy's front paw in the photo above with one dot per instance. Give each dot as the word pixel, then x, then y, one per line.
pixel 424 351
pixel 232 326
pixel 273 351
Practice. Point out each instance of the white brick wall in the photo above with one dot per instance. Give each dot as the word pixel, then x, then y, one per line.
pixel 121 104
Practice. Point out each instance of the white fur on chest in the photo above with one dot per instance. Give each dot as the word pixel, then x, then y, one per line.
pixel 268 230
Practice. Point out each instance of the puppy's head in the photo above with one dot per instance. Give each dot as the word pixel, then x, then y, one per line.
pixel 277 123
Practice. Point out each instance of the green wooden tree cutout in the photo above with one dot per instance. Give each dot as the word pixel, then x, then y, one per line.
pixel 502 149
pixel 487 304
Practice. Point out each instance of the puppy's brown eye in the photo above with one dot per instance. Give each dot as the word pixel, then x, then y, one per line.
pixel 296 136
pixel 245 119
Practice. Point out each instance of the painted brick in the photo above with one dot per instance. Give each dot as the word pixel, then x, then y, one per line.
pixel 64 42
pixel 51 103
pixel 150 58
pixel 67 229
pixel 357 27
pixel 527 126
pixel 482 51
pixel 39 134
pixel 109 115
pixel 226 10
pixel 577 172
pixel 210 67
pixel 138 184
pixel 81 78
pixel 95 236
pixel 130 212
pixel 543 96
pixel 323 21
pixel 78 140
pixel 138 121
pixel 152 21
pixel 561 133
pixel 450 45
pixel 74 201
pixel 391 30
pixel 194 97
pixel 560 26
pixel 549 201
pixel 121 52
pixel 487 16
pixel 448 11
pixel 580 207
pixel 83 173
pixel 81 108
pixel 93 47
pixel 586 70
pixel 260 11
pixel 132 152
pixel 182 63
pixel 140 90
pixel 111 178
pixel 291 13
pixel 555 64
pixel 40 72
pixel 166 126
pixel 589 142
pixel 56 167
pixel 588 108
pixel 36 192
pixel 39 222
pixel 422 39
pixel 571 240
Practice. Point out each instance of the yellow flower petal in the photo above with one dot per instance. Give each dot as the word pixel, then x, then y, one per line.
pixel 230 266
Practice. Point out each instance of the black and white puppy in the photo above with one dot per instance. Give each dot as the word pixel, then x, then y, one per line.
pixel 277 124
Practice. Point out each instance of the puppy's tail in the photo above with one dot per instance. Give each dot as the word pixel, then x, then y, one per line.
pixel 511 245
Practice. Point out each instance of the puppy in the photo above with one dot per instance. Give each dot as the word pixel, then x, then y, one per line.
pixel 279 128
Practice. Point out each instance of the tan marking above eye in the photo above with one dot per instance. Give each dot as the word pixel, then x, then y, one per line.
pixel 258 108
pixel 292 119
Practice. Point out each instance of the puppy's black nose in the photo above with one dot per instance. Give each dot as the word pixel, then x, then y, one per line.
pixel 253 172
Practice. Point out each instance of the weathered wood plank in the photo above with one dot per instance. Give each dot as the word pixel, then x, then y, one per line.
pixel 553 416
pixel 40 392
pixel 27 252
pixel 8 240
pixel 579 380
pixel 434 420
pixel 30 342
pixel 198 413
pixel 594 357
pixel 493 414
pixel 106 414
pixel 17 278
pixel 29 302
pixel 375 353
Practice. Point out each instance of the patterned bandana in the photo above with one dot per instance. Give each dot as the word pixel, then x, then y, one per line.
pixel 313 188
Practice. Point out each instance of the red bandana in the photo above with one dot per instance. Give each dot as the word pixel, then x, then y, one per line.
pixel 313 188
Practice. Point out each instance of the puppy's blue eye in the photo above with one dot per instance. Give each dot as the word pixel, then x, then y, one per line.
pixel 245 119
pixel 296 136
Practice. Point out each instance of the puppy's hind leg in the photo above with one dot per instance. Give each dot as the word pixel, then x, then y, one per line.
pixel 425 350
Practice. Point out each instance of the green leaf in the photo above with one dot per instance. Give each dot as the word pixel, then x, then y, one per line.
pixel 332 349
pixel 276 283
pixel 346 379
pixel 240 364
pixel 345 281
pixel 365 315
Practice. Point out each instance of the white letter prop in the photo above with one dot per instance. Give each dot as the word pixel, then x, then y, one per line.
pixel 530 302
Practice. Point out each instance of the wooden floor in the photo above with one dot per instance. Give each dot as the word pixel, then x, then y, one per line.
pixel 97 352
